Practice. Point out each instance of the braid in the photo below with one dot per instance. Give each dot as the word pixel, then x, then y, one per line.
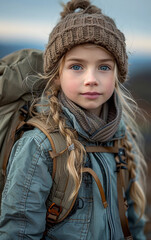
pixel 75 160
pixel 130 157
pixel 136 188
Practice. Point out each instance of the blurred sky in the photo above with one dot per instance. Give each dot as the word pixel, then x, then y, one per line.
pixel 32 20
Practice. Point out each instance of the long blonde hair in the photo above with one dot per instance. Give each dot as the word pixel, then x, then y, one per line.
pixel 133 144
pixel 76 156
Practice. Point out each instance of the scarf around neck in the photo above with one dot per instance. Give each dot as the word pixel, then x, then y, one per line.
pixel 99 129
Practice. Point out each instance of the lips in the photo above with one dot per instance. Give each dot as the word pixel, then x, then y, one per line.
pixel 91 95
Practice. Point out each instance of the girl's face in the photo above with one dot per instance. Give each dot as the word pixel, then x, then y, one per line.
pixel 87 76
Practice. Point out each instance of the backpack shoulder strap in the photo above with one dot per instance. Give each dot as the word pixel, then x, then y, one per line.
pixel 59 203
pixel 122 179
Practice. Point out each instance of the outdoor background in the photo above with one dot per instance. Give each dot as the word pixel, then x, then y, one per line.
pixel 27 24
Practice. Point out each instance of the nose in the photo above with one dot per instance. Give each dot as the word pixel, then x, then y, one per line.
pixel 90 79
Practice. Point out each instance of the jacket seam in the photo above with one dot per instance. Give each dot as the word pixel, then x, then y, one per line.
pixel 27 185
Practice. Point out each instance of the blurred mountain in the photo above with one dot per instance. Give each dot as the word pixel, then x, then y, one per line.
pixel 140 79
pixel 6 48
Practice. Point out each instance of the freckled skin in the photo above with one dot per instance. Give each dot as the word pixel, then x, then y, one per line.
pixel 87 77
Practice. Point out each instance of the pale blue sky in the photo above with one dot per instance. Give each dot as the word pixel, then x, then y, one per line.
pixel 32 20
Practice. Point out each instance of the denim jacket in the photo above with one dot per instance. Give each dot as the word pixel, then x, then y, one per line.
pixel 29 183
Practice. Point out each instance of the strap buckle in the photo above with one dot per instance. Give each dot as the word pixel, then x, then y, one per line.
pixel 53 212
pixel 121 160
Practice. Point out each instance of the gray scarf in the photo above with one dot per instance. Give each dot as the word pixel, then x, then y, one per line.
pixel 99 129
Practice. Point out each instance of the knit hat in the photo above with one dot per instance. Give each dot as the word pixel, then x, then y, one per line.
pixel 82 23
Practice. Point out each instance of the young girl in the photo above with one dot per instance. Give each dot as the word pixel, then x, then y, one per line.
pixel 85 64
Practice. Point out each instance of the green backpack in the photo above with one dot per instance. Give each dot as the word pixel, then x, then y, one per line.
pixel 15 96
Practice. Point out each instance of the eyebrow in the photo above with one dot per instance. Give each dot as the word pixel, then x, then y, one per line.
pixel 83 60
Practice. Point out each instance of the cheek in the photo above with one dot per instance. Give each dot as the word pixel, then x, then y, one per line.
pixel 69 87
pixel 110 86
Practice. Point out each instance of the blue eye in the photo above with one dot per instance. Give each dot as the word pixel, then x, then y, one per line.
pixel 76 67
pixel 104 68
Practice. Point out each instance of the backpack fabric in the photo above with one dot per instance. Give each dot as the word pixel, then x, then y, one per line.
pixel 14 70
pixel 14 93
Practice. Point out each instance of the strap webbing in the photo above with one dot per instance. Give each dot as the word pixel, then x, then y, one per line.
pixel 121 168
pixel 102 194
pixel 122 208
pixel 102 149
pixel 39 124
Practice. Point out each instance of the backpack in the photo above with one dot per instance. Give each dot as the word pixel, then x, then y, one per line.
pixel 15 98
pixel 14 69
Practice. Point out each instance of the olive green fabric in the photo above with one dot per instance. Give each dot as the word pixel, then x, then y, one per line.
pixel 15 69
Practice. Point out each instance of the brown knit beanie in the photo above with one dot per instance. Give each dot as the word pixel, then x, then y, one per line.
pixel 82 23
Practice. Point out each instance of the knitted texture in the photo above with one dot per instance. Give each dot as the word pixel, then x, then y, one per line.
pixel 87 25
pixel 98 129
